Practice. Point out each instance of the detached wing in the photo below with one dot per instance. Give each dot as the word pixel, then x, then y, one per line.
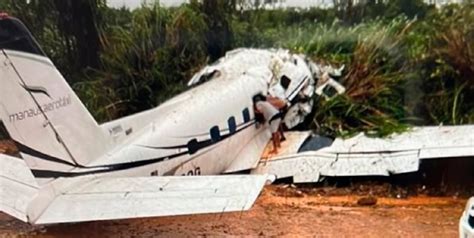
pixel 120 198
pixel 364 156
pixel 427 142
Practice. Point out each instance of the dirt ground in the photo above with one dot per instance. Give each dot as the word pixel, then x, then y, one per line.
pixel 282 211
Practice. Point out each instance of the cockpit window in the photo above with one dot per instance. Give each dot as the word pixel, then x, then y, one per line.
pixel 15 36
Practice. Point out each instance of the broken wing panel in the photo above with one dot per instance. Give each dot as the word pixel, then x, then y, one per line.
pixel 364 156
pixel 120 198
pixel 308 167
pixel 435 138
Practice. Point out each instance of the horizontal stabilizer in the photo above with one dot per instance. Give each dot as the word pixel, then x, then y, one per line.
pixel 17 187
pixel 122 198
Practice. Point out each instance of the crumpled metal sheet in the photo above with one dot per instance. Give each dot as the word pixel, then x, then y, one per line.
pixel 364 156
pixel 430 141
pixel 310 166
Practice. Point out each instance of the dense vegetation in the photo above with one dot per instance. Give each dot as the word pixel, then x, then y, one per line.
pixel 407 62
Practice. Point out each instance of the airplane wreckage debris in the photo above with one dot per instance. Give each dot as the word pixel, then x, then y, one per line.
pixel 73 170
pixel 307 157
pixel 290 77
pixel 364 156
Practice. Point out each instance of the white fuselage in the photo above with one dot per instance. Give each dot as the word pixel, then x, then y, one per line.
pixel 201 131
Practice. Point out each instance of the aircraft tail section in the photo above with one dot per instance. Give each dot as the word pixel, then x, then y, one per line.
pixel 51 127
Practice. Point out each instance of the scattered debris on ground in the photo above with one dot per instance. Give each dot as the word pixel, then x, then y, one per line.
pixel 367 201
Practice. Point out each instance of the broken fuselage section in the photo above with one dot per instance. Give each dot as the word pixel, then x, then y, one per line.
pixel 293 78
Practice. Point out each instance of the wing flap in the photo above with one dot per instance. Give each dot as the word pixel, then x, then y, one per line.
pixel 121 198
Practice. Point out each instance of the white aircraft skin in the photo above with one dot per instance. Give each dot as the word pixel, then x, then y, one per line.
pixel 178 133
pixel 221 107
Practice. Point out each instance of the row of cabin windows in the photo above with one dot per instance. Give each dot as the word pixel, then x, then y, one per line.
pixel 194 145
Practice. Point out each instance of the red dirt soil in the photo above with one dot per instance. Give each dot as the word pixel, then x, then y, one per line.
pixel 280 211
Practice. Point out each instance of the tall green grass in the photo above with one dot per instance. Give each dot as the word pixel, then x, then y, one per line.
pixel 400 72
pixel 450 59
pixel 145 62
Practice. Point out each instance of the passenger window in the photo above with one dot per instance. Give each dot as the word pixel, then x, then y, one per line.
pixel 232 125
pixel 193 146
pixel 215 134
pixel 246 115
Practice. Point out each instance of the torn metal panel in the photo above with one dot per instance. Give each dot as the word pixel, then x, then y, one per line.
pixel 310 166
pixel 290 77
pixel 364 156
pixel 425 139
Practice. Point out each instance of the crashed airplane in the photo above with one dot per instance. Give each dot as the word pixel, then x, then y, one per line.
pixel 71 169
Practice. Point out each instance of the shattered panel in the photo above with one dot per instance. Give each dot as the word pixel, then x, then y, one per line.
pixel 364 156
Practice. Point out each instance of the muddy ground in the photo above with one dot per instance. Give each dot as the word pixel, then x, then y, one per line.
pixel 284 210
